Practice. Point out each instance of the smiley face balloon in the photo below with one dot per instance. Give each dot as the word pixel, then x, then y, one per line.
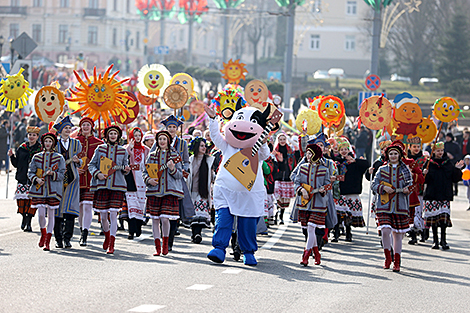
pixel 186 81
pixel 446 109
pixel 226 101
pixel 49 103
pixel 14 89
pixel 331 110
pixel 376 112
pixel 153 79
pixel 407 115
pixel 426 130
pixel 256 94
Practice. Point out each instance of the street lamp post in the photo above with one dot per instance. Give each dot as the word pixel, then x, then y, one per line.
pixel 12 53
pixel 2 41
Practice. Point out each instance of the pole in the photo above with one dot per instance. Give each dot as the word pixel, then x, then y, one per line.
pixel 288 57
pixel 9 161
pixel 162 36
pixel 226 23
pixel 190 41
pixel 371 178
pixel 374 66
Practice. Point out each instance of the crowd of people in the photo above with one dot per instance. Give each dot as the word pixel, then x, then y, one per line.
pixel 71 172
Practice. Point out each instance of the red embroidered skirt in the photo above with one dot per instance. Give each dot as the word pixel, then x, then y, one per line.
pixel 317 218
pixel 24 206
pixel 86 195
pixel 166 206
pixel 398 222
pixel 45 201
pixel 106 199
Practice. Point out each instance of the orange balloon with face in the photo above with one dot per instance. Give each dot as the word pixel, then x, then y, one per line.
pixel 427 130
pixel 331 110
pixel 256 94
pixel 407 116
pixel 376 112
pixel 49 103
pixel 446 109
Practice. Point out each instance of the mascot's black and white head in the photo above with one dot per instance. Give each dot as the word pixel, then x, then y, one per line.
pixel 245 127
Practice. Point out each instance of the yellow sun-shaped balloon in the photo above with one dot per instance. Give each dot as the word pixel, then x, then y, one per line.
pixel 14 90
pixel 234 71
pixel 99 96
pixel 186 81
pixel 153 79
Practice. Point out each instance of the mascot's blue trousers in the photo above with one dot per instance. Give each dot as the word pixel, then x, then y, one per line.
pixel 223 233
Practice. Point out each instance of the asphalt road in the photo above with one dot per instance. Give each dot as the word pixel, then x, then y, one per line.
pixel 350 278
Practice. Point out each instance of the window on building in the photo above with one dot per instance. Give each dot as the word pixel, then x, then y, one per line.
pixel 351 7
pixel 316 7
pixel 137 40
pixel 115 5
pixel 94 4
pixel 37 32
pixel 114 37
pixel 181 35
pixel 64 3
pixel 37 3
pixel 350 43
pixel 15 3
pixel 14 30
pixel 92 35
pixel 63 32
pixel 314 42
pixel 173 37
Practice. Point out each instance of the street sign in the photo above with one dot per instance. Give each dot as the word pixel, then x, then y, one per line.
pixel 162 50
pixel 364 95
pixel 373 82
pixel 24 45
pixel 274 76
pixel 213 53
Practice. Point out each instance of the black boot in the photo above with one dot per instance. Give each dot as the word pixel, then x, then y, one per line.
pixel 443 239
pixel 83 238
pixel 413 239
pixel 58 233
pixel 348 233
pixel 424 235
pixel 23 221
pixel 121 224
pixel 335 233
pixel 138 227
pixel 435 244
pixel 281 217
pixel 235 247
pixel 28 218
pixel 196 233
pixel 131 225
pixel 305 232
pixel 171 237
pixel 68 229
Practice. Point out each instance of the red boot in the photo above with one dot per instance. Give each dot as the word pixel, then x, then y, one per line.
pixel 111 245
pixel 317 255
pixel 305 257
pixel 158 247
pixel 396 262
pixel 165 246
pixel 106 240
pixel 47 242
pixel 43 237
pixel 388 258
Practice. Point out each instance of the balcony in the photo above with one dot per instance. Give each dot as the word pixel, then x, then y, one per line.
pixel 12 10
pixel 92 12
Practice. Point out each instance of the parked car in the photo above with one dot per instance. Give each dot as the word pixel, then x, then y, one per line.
pixel 428 81
pixel 320 74
pixel 336 72
pixel 396 78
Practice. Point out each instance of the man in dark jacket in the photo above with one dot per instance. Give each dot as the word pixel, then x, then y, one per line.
pixel 453 151
pixel 4 133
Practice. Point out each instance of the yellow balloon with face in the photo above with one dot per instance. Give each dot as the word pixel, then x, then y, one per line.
pixel 14 88
pixel 426 130
pixel 153 79
pixel 446 109
pixel 184 80
pixel 101 97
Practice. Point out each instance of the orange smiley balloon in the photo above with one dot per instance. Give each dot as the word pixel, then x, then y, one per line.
pixel 446 109
pixel 376 112
pixel 331 110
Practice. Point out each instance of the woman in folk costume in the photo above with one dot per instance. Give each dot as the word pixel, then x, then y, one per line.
pixel 148 140
pixel 349 205
pixel 186 208
pixel 313 214
pixel 415 153
pixel 135 198
pixel 69 148
pixel 21 159
pixel 439 179
pixel 370 174
pixel 89 145
pixel 199 182
pixel 283 186
pixel 163 193
pixel 392 184
pixel 46 173
pixel 109 188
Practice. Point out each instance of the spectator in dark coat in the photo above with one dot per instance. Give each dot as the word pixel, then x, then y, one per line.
pixel 296 106
pixel 19 135
pixel 4 132
pixel 361 142
pixel 466 140
pixel 454 152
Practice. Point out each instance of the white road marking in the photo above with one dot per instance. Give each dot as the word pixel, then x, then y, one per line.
pixel 11 233
pixel 277 235
pixel 200 287
pixel 147 308
pixel 232 271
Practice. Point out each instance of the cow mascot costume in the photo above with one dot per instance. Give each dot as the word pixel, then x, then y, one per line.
pixel 234 196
